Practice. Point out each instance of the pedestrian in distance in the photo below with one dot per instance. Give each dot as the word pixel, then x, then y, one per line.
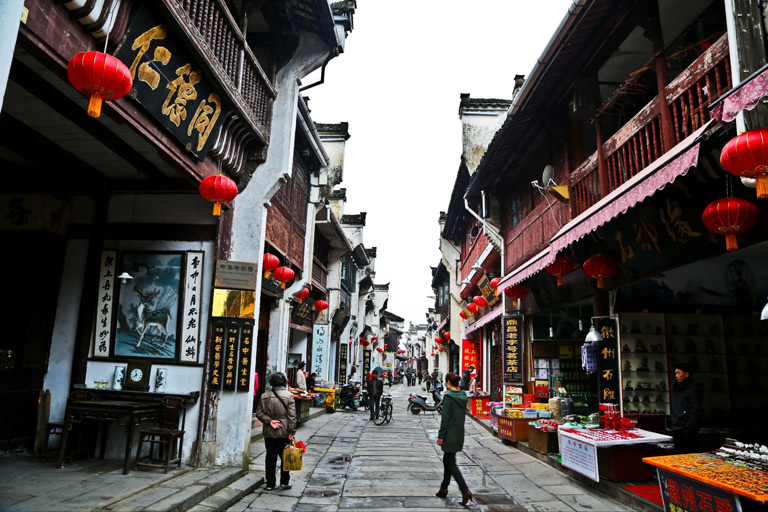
pixel 277 413
pixel 466 377
pixel 375 388
pixel 420 377
pixel 686 411
pixel 450 437
pixel 311 381
pixel 389 377
pixel 301 378
pixel 353 377
pixel 427 381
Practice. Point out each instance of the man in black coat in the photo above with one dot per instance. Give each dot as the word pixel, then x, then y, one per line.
pixel 375 388
pixel 686 411
pixel 466 378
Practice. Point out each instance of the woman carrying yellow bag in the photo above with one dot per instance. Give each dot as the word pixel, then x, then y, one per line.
pixel 277 413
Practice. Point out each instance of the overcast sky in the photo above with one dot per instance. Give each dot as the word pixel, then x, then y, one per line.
pixel 397 85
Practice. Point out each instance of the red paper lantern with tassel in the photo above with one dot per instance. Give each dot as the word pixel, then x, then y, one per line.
pixel 321 305
pixel 463 315
pixel 270 263
pixel 447 335
pixel 747 156
pixel 301 294
pixel 560 267
pixel 730 216
pixel 600 267
pixel 99 77
pixel 472 308
pixel 439 340
pixel 284 274
pixel 480 301
pixel 218 189
pixel 495 282
pixel 516 293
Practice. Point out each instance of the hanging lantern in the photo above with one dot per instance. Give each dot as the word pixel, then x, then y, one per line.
pixel 600 267
pixel 439 340
pixel 480 301
pixel 463 315
pixel 447 335
pixel 379 350
pixel 284 274
pixel 322 305
pixel 364 342
pixel 374 338
pixel 495 282
pixel 747 156
pixel 730 216
pixel 270 263
pixel 432 354
pixel 218 189
pixel 441 350
pixel 472 308
pixel 302 294
pixel 516 292
pixel 99 77
pixel 560 267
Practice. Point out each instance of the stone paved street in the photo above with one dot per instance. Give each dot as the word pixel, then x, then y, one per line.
pixel 352 464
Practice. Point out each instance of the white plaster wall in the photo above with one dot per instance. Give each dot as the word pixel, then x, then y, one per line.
pixel 477 130
pixel 299 344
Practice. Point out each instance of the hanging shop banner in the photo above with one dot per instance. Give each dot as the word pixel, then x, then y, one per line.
pixel 320 350
pixel 301 314
pixel 105 304
pixel 608 361
pixel 169 83
pixel 579 456
pixel 513 352
pixel 230 361
pixel 470 355
pixel 246 353
pixel 190 326
pixel 681 494
pixel 366 363
pixel 343 351
pixel 489 293
pixel 238 275
pixel 217 354
pixel 34 212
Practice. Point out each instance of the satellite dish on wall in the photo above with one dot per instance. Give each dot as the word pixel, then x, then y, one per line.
pixel 548 176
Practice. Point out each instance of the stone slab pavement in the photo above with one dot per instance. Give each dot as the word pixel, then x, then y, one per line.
pixel 352 464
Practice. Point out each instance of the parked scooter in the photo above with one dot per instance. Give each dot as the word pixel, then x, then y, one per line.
pixel 349 397
pixel 418 403
pixel 365 403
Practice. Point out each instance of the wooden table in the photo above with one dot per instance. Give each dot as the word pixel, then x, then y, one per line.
pixel 108 410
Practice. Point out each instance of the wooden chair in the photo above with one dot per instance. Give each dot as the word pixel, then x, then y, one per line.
pixel 56 428
pixel 167 436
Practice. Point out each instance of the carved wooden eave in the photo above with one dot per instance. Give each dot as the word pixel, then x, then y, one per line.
pixel 241 143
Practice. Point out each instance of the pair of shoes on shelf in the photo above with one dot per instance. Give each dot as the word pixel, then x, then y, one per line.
pixel 442 493
pixel 466 497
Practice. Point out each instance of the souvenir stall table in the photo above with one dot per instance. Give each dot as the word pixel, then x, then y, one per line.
pixel 717 481
pixel 303 402
pixel 620 458
pixel 542 436
pixel 477 406
pixel 325 397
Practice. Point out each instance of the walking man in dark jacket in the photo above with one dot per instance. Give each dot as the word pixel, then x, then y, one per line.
pixel 686 411
pixel 375 388
pixel 466 378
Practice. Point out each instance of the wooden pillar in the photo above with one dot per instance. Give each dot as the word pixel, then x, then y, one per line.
pixel 602 168
pixel 749 41
pixel 667 128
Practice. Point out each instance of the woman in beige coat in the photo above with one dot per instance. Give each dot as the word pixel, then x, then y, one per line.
pixel 277 413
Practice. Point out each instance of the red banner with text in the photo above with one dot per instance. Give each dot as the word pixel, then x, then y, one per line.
pixel 470 355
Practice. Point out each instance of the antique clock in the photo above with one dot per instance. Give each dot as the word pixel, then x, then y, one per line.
pixel 137 376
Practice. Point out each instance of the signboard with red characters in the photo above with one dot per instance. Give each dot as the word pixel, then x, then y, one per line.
pixel 682 494
pixel 470 355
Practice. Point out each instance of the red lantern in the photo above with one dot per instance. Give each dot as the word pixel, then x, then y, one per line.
pixel 516 292
pixel 600 267
pixel 480 301
pixel 364 342
pixel 730 216
pixel 99 77
pixel 472 308
pixel 495 282
pixel 560 267
pixel 379 350
pixel 301 294
pixel 447 335
pixel 747 156
pixel 284 274
pixel 463 315
pixel 321 305
pixel 441 349
pixel 218 189
pixel 432 354
pixel 270 263
pixel 439 340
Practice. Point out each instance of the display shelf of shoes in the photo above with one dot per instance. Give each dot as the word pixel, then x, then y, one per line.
pixel 644 372
pixel 698 340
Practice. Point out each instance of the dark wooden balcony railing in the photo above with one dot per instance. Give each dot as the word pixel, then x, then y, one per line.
pixel 228 51
pixel 640 141
pixel 319 275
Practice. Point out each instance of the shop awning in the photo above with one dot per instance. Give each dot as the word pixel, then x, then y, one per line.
pixel 744 96
pixel 533 266
pixel 442 323
pixel 493 315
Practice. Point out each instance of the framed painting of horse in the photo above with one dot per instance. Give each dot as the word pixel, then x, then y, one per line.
pixel 148 317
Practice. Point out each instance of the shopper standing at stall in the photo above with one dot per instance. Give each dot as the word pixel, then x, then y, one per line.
pixel 301 378
pixel 466 377
pixel 450 437
pixel 686 411
pixel 277 413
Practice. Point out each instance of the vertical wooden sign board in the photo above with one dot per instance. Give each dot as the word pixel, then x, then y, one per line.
pixel 230 362
pixel 608 361
pixel 343 350
pixel 217 354
pixel 366 363
pixel 513 356
pixel 246 353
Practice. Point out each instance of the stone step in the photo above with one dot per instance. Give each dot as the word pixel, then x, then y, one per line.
pixel 179 493
pixel 231 494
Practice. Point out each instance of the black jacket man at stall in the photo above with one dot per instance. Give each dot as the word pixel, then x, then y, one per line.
pixel 686 411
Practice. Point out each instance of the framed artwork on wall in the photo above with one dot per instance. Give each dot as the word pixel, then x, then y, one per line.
pixel 148 315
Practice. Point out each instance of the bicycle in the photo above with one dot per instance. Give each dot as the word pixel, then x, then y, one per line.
pixel 384 414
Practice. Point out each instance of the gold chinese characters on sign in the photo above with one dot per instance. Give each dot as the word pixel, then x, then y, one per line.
pixel 512 350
